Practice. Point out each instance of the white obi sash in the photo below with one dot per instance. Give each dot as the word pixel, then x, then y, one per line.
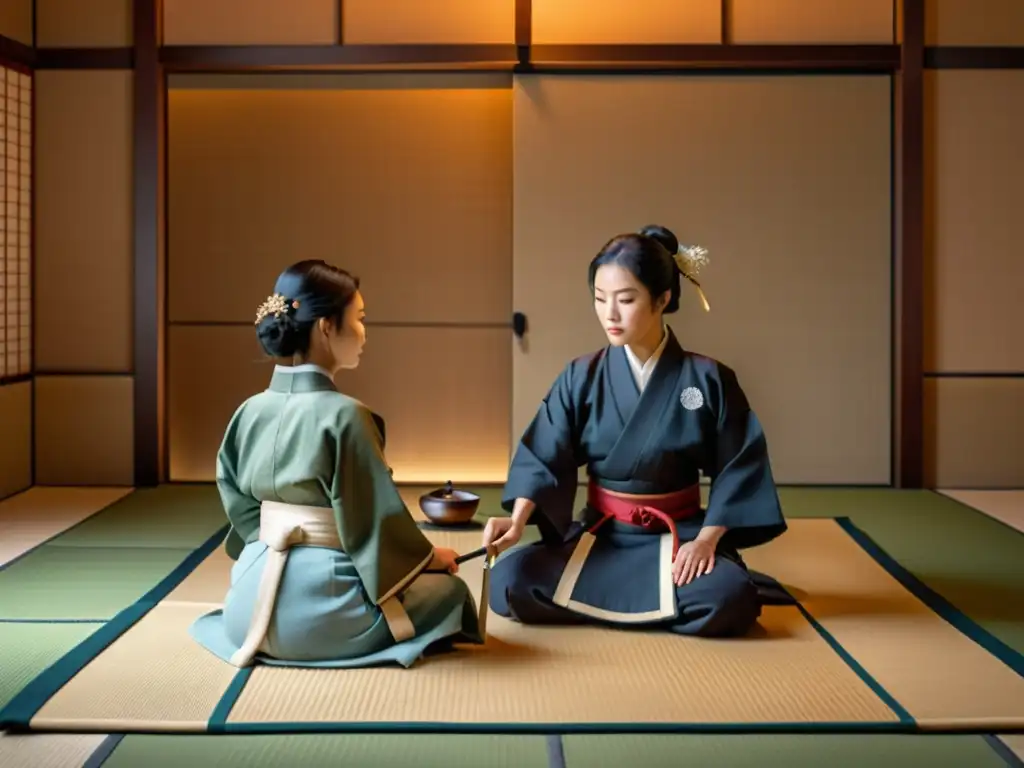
pixel 283 526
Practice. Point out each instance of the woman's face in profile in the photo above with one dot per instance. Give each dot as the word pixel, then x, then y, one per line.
pixel 346 341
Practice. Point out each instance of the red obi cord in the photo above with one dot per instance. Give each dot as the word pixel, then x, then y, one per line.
pixel 652 513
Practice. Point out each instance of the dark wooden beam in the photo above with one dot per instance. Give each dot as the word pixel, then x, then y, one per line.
pixel 908 317
pixel 883 58
pixel 149 86
pixel 968 57
pixel 524 31
pixel 726 14
pixel 974 375
pixel 548 58
pixel 232 58
pixel 85 58
pixel 341 22
pixel 19 378
pixel 58 373
pixel 15 52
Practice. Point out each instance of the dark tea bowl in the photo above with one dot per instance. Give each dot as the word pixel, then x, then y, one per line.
pixel 449 506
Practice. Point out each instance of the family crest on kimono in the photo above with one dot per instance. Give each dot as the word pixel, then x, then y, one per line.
pixel 646 417
pixel 330 570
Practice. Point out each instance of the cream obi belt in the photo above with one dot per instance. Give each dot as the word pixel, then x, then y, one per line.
pixel 283 526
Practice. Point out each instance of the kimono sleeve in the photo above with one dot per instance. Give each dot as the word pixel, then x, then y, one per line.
pixel 743 498
pixel 545 468
pixel 242 510
pixel 376 530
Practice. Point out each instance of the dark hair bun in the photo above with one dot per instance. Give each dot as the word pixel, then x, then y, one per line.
pixel 664 236
pixel 280 336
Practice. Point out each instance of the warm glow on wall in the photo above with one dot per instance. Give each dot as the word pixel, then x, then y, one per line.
pixel 617 21
pixel 811 21
pixel 250 22
pixel 437 21
pixel 473 470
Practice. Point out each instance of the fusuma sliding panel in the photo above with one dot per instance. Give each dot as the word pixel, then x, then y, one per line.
pixel 83 23
pixel 974 22
pixel 404 180
pixel 811 21
pixel 250 22
pixel 84 432
pixel 15 223
pixel 438 21
pixel 975 271
pixel 786 180
pixel 84 221
pixel 626 21
pixel 974 433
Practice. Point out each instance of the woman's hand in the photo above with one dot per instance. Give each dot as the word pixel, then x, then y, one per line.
pixel 694 559
pixel 444 560
pixel 500 533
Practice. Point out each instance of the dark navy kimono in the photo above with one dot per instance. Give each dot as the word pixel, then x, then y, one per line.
pixel 692 416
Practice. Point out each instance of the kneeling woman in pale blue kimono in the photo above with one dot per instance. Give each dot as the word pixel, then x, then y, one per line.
pixel 332 570
pixel 645 416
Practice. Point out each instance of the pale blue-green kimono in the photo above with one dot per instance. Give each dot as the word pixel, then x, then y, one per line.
pixel 302 442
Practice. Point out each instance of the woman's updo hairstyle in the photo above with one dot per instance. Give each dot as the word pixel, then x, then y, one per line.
pixel 649 255
pixel 304 293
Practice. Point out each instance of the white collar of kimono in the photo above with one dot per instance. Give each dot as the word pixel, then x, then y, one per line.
pixel 642 371
pixel 304 368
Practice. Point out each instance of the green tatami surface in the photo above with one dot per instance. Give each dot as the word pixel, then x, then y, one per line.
pixel 762 751
pixel 26 650
pixel 331 750
pixel 93 582
pixel 618 751
pixel 171 516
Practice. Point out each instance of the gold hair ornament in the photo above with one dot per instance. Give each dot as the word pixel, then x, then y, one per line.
pixel 275 305
pixel 689 260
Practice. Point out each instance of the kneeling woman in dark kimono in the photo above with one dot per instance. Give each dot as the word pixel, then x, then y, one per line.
pixel 645 416
pixel 330 567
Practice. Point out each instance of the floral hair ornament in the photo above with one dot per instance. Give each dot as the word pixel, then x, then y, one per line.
pixel 689 259
pixel 275 305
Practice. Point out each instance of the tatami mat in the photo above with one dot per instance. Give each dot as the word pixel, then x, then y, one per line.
pixel 155 678
pixel 149 679
pixel 48 750
pixel 60 582
pixel 137 684
pixel 37 515
pixel 969 558
pixel 167 517
pixel 941 676
pixel 791 751
pixel 551 675
pixel 1005 506
pixel 574 751
pixel 332 751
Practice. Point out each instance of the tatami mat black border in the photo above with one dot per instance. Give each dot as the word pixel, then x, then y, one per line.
pixel 1002 749
pixel 103 751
